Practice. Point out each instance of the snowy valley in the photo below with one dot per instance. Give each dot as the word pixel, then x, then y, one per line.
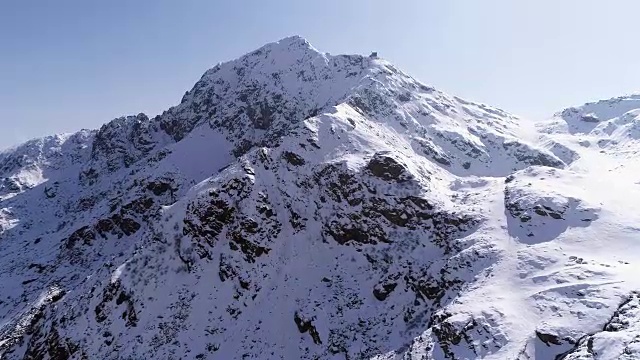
pixel 300 205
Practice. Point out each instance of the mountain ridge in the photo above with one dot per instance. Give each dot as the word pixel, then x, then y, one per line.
pixel 301 205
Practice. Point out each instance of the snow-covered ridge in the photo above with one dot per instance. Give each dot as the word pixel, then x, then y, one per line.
pixel 604 109
pixel 297 204
pixel 612 125
pixel 257 98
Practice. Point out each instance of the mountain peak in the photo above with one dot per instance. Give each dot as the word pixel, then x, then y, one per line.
pixel 309 206
pixel 291 42
pixel 288 47
pixel 278 53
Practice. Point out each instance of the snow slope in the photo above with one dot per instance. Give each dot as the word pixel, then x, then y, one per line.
pixel 297 204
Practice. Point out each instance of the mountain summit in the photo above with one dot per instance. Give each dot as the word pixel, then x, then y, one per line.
pixel 299 205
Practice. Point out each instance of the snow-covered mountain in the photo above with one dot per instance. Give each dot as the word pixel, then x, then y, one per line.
pixel 299 205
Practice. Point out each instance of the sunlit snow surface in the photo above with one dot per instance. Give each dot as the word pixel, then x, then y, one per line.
pixel 299 205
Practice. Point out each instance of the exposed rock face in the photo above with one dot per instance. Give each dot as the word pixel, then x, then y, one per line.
pixel 387 168
pixel 301 205
pixel 539 211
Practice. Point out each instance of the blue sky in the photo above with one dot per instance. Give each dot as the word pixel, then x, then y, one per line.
pixel 71 64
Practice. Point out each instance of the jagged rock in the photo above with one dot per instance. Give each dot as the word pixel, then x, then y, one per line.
pixel 305 325
pixel 548 339
pixel 382 291
pixel 387 168
pixel 293 158
pixel 591 118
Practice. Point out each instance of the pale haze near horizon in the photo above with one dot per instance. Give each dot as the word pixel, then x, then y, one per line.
pixel 68 65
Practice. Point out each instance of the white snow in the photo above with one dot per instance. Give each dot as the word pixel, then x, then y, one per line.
pixel 263 228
